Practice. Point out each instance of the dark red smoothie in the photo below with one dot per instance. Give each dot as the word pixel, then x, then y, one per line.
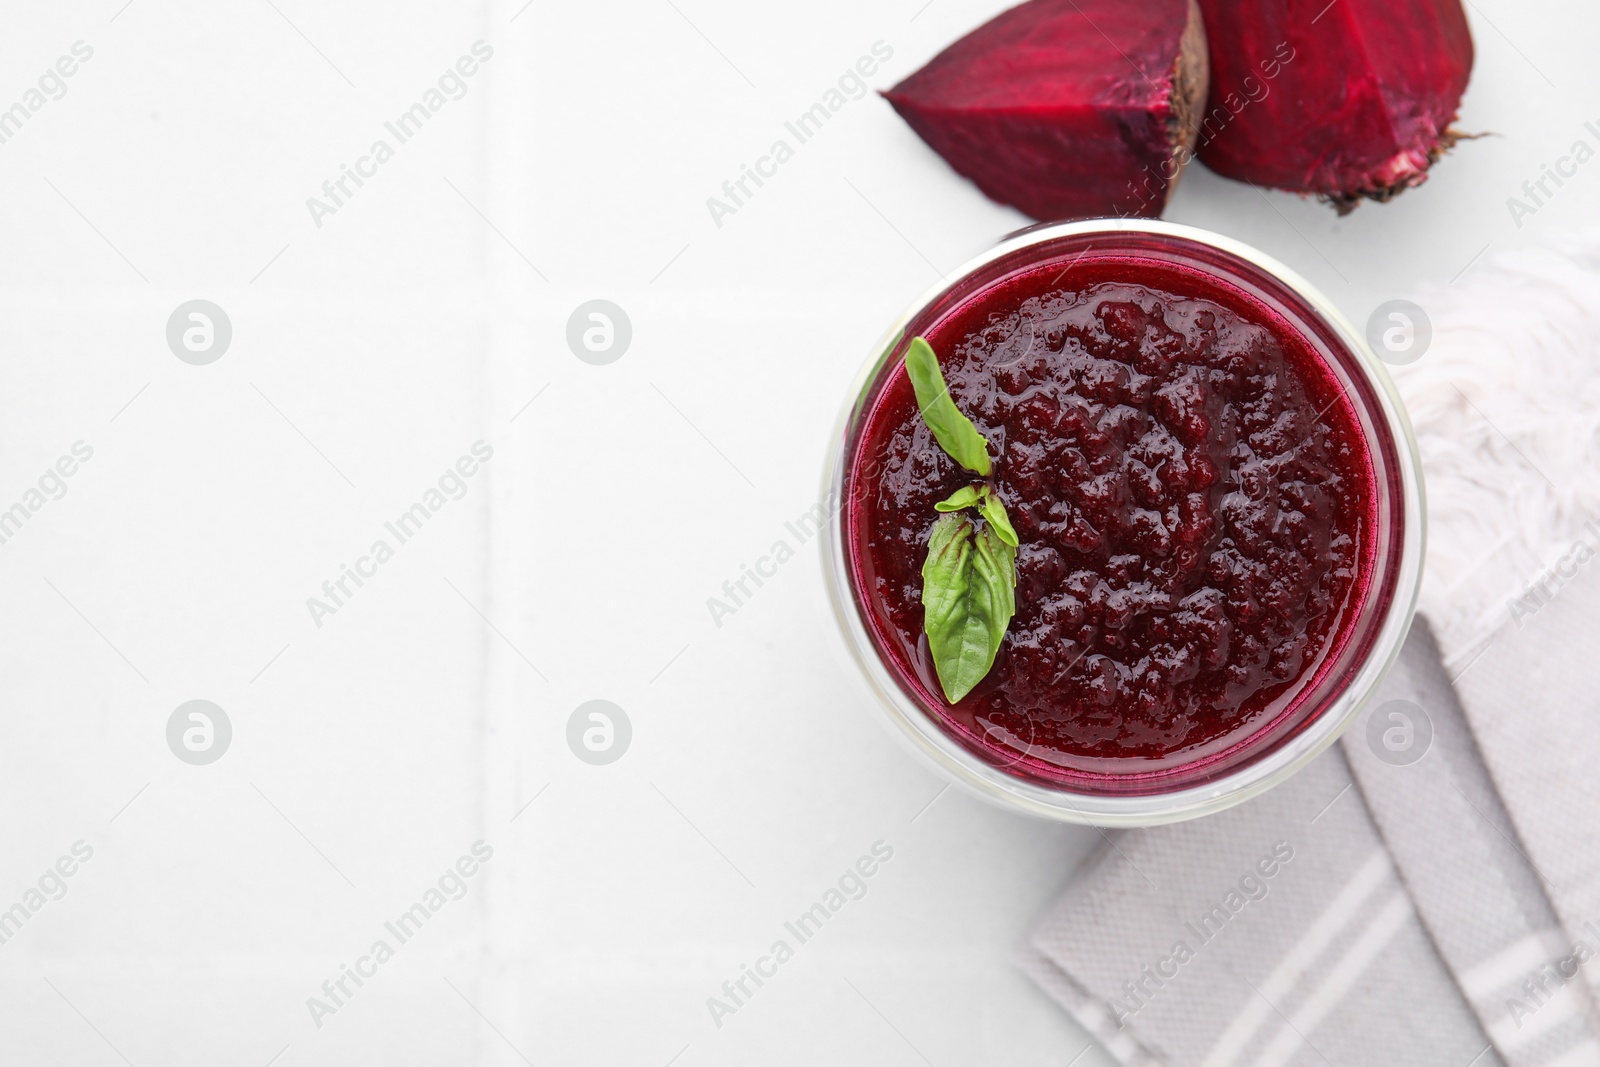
pixel 1195 501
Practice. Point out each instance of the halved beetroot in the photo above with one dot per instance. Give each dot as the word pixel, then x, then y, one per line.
pixel 1068 108
pixel 1350 99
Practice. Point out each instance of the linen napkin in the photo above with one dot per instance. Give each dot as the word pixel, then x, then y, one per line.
pixel 1507 412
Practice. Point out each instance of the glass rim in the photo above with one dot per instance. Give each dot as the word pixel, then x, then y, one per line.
pixel 913 725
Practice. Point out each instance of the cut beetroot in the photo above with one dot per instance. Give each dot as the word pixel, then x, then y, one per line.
pixel 1068 108
pixel 1350 100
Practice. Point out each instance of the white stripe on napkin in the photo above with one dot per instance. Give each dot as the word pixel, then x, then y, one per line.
pixel 1508 1034
pixel 1238 1033
pixel 1327 995
pixel 1514 962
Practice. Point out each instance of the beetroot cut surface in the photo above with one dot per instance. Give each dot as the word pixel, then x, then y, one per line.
pixel 1067 108
pixel 1350 100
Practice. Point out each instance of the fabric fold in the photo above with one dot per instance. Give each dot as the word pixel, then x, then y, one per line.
pixel 1544 765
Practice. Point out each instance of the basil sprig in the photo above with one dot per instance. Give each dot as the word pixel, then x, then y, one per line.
pixel 969 578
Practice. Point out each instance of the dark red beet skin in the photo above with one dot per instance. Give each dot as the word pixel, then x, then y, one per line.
pixel 1348 100
pixel 1194 500
pixel 1067 108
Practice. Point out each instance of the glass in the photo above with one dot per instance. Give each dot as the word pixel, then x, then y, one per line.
pixel 1121 792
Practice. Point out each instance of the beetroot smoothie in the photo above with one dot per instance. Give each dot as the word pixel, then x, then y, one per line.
pixel 1196 504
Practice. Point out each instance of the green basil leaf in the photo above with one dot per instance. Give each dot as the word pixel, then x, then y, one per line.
pixel 954 431
pixel 968 599
pixel 991 508
pixel 965 497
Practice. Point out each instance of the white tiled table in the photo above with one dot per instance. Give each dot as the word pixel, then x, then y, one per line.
pixel 370 352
